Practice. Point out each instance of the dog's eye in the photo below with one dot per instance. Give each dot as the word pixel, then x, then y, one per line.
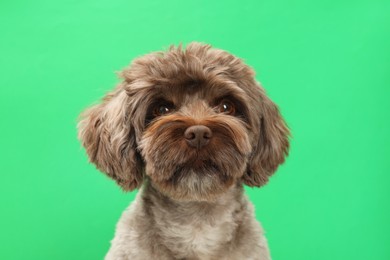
pixel 227 107
pixel 162 110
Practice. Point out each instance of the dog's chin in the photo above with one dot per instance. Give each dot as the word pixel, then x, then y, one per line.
pixel 200 181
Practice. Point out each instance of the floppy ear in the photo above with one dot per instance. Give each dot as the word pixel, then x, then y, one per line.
pixel 272 145
pixel 109 139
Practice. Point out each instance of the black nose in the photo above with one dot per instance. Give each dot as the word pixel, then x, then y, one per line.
pixel 198 135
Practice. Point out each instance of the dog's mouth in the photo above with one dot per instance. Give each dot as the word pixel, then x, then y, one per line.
pixel 199 176
pixel 200 160
pixel 198 165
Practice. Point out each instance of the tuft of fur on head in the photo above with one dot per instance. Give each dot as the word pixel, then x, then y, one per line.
pixel 126 139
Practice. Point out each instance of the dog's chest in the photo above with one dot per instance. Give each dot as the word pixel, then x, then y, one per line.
pixel 196 237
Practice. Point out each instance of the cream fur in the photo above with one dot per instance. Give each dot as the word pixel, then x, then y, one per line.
pixel 156 227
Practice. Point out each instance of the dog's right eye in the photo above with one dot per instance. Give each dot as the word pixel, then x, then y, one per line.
pixel 162 109
pixel 158 108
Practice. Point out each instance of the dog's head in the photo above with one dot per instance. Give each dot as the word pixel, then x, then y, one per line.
pixel 193 121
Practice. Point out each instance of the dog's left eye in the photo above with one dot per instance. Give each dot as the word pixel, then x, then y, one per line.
pixel 227 107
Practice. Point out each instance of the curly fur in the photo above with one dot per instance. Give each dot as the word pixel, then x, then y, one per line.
pixel 191 204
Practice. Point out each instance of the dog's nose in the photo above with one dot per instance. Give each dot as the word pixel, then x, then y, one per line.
pixel 198 135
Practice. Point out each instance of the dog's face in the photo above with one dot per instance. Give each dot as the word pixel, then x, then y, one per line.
pixel 194 122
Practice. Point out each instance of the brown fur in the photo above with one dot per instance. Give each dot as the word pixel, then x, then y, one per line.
pixel 124 140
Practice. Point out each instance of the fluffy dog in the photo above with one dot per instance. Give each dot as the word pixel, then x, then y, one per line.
pixel 189 127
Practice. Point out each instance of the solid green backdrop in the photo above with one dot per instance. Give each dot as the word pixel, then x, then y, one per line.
pixel 325 63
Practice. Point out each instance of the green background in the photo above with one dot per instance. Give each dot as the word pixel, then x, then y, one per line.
pixel 325 63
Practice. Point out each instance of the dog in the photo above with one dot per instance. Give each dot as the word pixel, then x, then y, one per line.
pixel 189 127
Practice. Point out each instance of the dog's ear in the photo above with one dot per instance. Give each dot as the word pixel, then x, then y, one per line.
pixel 272 143
pixel 109 139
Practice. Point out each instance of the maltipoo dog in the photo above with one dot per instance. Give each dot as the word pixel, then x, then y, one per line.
pixel 189 127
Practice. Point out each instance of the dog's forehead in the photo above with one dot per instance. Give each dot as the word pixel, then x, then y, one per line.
pixel 188 92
